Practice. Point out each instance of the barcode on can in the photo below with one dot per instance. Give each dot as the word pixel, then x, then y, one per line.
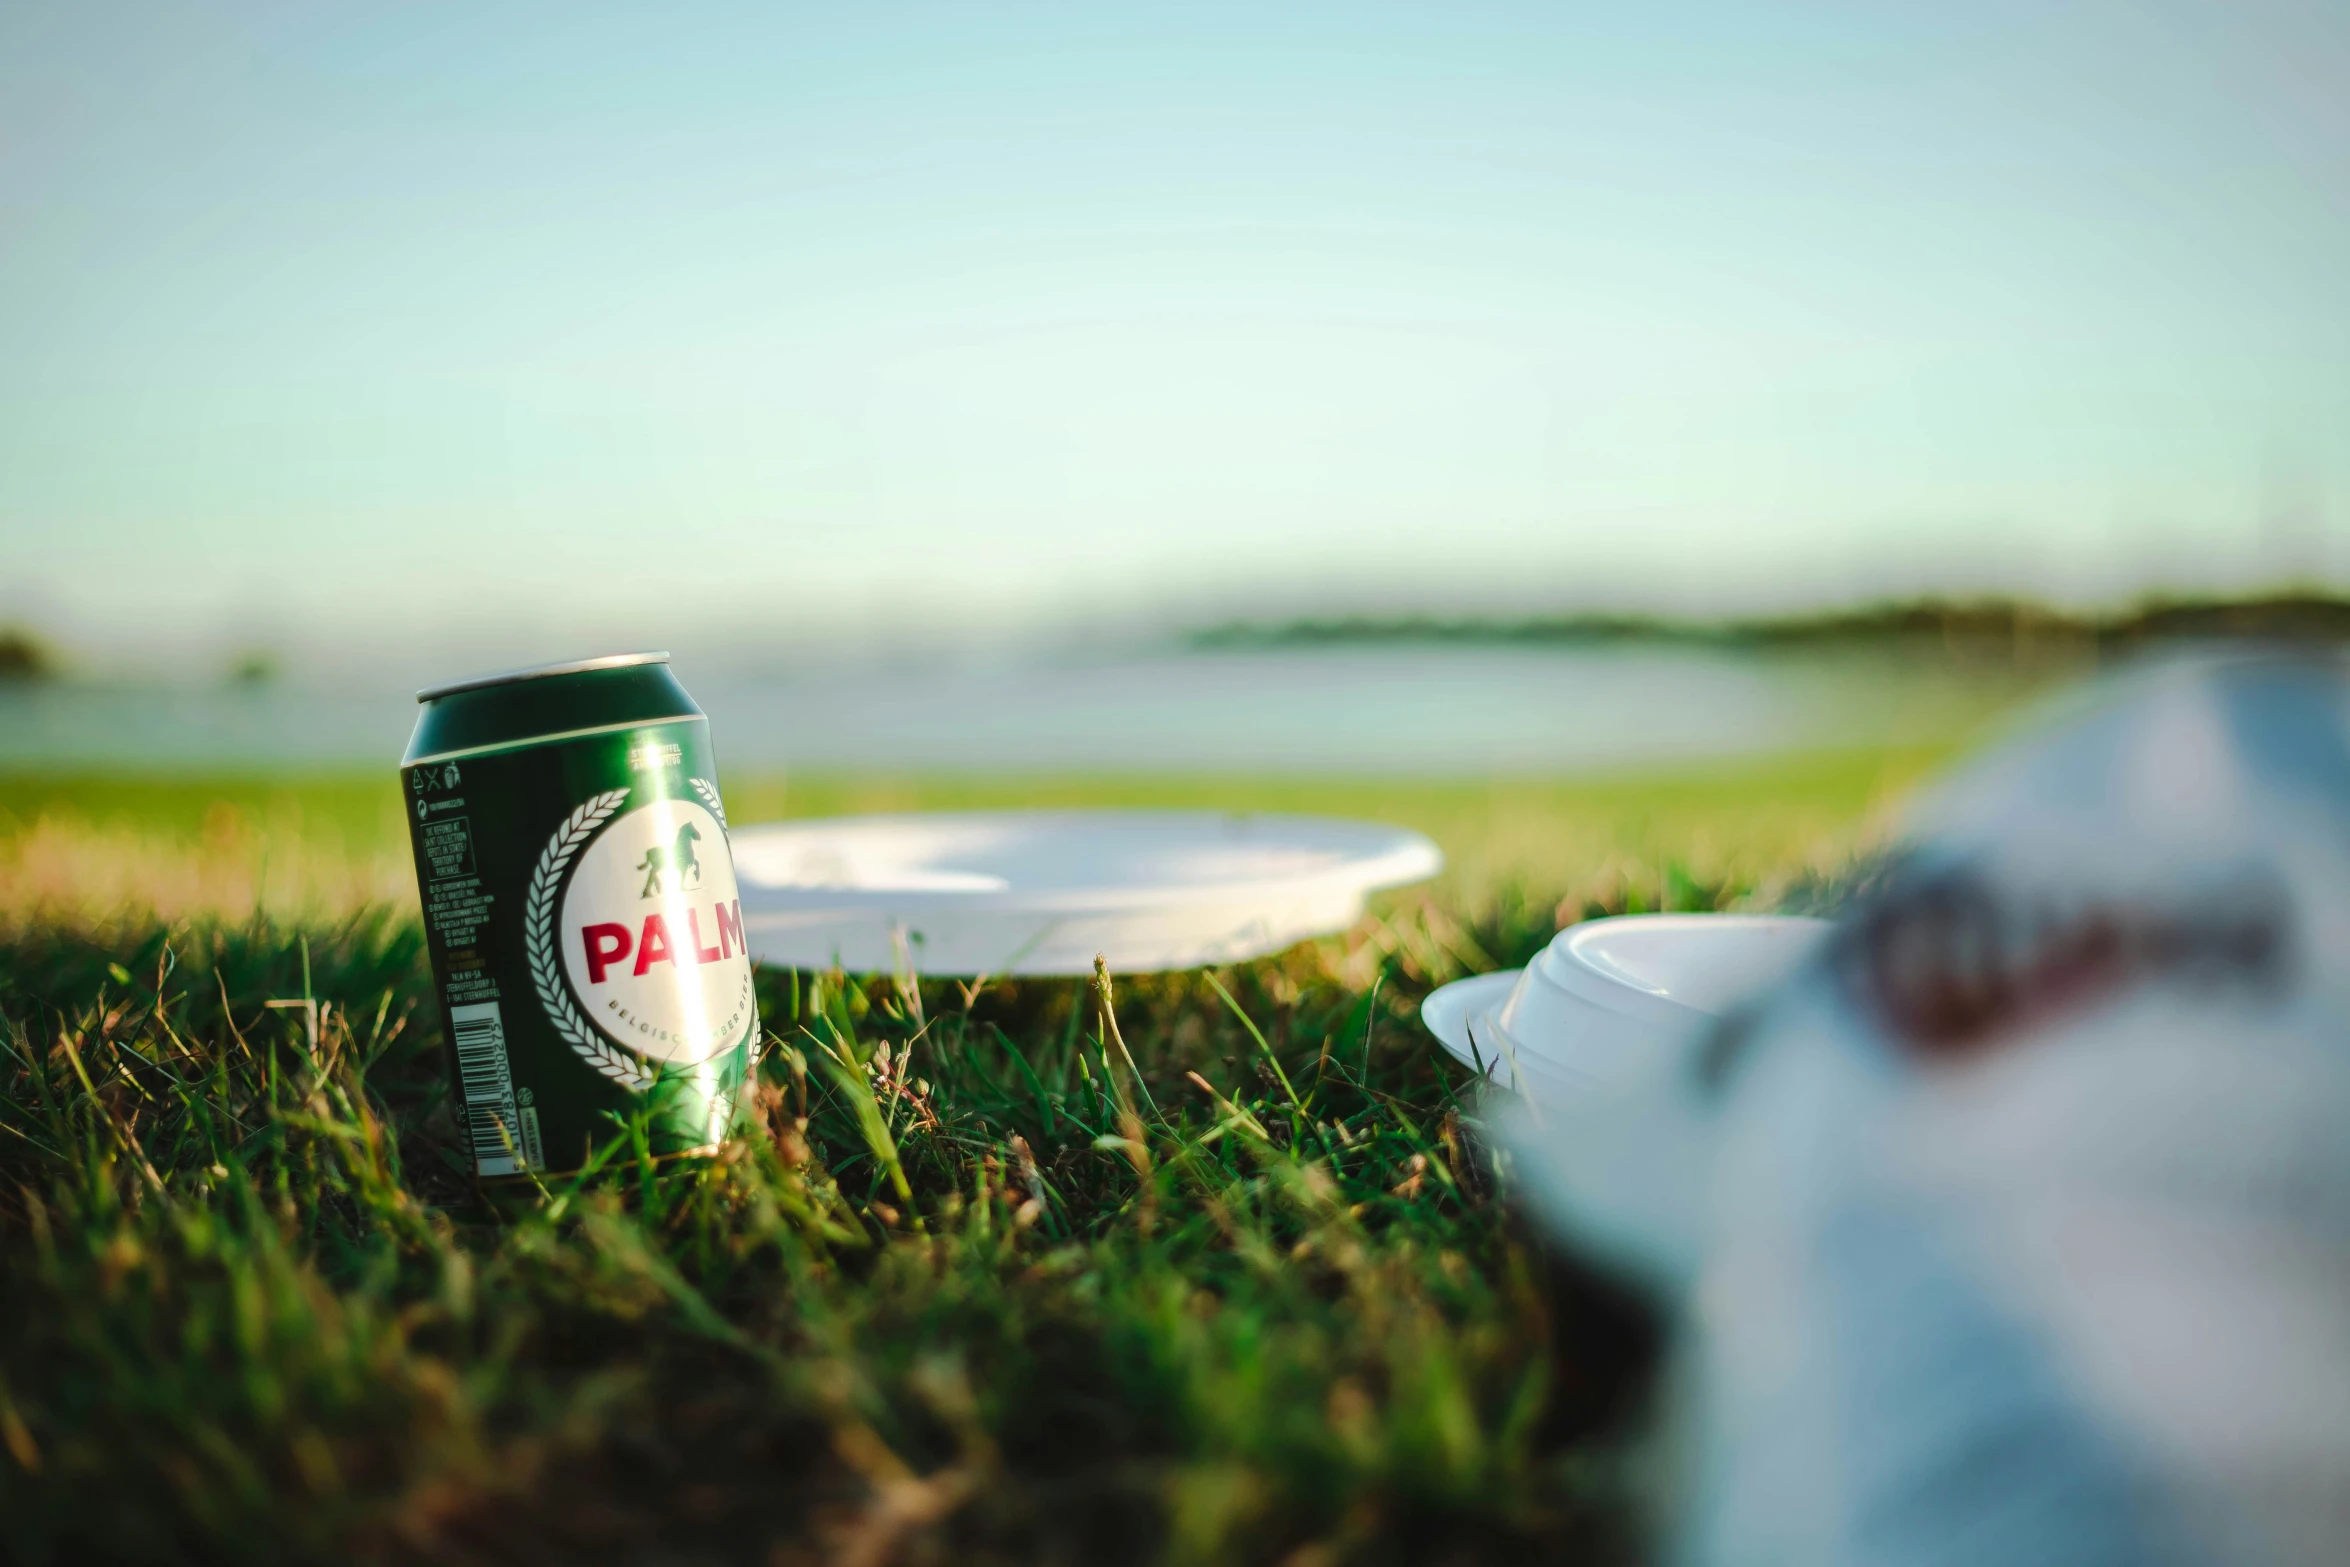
pixel 489 1111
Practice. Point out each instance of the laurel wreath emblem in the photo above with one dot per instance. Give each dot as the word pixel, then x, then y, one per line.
pixel 709 793
pixel 538 940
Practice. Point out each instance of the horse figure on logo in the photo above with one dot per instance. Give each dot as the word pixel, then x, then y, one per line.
pixel 677 858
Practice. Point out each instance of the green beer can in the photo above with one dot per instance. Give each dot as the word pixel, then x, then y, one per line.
pixel 579 902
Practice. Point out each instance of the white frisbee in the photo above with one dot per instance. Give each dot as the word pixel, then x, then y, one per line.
pixel 1041 892
pixel 1606 993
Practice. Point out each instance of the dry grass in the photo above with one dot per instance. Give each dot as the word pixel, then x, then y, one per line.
pixel 66 867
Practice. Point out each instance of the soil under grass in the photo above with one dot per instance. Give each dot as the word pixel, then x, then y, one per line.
pixel 967 1288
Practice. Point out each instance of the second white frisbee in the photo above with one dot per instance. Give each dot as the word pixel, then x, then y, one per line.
pixel 1041 892
pixel 1609 992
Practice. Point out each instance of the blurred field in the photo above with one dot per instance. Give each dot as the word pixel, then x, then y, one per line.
pixel 968 1287
pixel 83 846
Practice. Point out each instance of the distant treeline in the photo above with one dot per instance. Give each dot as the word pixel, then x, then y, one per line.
pixel 24 656
pixel 1996 627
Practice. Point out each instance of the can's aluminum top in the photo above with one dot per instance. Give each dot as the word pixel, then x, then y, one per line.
pixel 541 672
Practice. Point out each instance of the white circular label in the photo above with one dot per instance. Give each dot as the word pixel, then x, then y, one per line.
pixel 652 934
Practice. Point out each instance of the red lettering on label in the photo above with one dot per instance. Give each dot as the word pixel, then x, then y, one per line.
pixel 730 930
pixel 702 954
pixel 653 945
pixel 606 945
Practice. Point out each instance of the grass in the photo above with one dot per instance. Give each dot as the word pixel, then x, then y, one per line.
pixel 1191 1268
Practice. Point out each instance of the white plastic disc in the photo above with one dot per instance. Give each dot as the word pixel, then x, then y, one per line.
pixel 1041 892
pixel 1609 992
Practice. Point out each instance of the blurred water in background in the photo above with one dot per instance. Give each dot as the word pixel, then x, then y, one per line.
pixel 1404 710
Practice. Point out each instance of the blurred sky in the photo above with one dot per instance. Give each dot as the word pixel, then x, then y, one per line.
pixel 342 326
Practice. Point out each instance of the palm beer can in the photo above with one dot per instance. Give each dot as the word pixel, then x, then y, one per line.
pixel 580 906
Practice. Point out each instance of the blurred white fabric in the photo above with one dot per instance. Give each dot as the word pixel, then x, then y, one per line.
pixel 2016 1228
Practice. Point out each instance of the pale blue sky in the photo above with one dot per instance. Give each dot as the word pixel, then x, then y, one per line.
pixel 521 325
